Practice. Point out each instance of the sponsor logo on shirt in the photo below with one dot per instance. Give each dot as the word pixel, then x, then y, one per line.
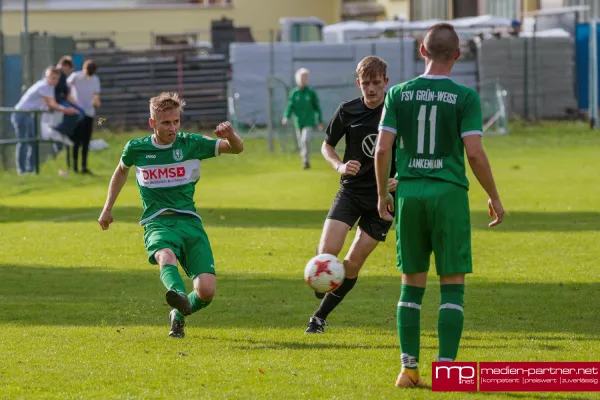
pixel 169 175
pixel 150 155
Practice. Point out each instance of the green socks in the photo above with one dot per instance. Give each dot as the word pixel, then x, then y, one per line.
pixel 197 305
pixel 409 324
pixel 450 321
pixel 171 279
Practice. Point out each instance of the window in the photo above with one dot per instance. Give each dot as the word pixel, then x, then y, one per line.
pixel 428 9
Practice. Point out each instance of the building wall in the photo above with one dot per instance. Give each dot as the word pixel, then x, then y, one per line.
pixel 401 8
pixel 132 27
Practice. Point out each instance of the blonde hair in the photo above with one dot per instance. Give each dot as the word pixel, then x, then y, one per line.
pixel 371 66
pixel 165 102
pixel 300 73
pixel 52 71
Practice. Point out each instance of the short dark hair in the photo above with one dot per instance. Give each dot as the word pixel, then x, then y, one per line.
pixel 89 67
pixel 66 61
pixel 441 42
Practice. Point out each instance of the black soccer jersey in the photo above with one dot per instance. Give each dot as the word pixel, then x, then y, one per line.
pixel 359 125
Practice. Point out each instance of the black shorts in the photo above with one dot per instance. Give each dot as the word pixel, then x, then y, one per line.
pixel 349 207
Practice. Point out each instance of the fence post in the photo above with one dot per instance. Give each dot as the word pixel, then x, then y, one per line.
pixel 526 79
pixel 270 116
pixel 593 76
pixel 36 146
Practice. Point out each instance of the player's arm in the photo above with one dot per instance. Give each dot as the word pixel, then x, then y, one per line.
pixel 471 133
pixel 114 188
pixel 117 182
pixel 334 133
pixel 383 156
pixel 231 142
pixel 480 165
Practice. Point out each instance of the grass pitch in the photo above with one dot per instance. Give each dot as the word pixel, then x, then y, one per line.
pixel 82 313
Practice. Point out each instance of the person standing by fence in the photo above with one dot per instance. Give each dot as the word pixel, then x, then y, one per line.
pixel 39 96
pixel 85 87
pixel 63 97
pixel 304 104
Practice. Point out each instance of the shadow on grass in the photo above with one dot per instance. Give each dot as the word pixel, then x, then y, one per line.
pixel 96 297
pixel 518 221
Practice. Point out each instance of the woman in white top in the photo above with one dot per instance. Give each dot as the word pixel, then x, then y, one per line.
pixel 85 87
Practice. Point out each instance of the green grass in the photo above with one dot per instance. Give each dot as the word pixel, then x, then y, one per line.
pixel 82 313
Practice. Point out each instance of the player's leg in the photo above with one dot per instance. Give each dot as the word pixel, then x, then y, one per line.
pixel 413 252
pixel 198 262
pixel 362 246
pixel 164 247
pixel 343 214
pixel 305 146
pixel 452 249
pixel 371 230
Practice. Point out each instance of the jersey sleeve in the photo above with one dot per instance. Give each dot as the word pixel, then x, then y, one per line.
pixel 203 147
pixel 317 107
pixel 471 120
pixel 389 119
pixel 336 128
pixel 128 157
pixel 290 105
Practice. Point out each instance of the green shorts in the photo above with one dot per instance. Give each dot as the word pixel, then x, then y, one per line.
pixel 433 216
pixel 184 235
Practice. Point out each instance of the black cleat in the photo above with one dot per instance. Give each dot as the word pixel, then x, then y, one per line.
pixel 319 295
pixel 176 326
pixel 306 166
pixel 179 301
pixel 316 325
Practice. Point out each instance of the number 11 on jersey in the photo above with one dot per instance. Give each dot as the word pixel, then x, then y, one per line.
pixel 421 129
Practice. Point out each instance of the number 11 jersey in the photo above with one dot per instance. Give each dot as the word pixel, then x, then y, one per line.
pixel 430 115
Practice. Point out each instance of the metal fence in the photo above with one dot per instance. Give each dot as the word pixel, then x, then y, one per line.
pixel 28 148
pixel 130 78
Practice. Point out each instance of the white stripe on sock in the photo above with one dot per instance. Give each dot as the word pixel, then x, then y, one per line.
pixel 444 359
pixel 452 306
pixel 409 305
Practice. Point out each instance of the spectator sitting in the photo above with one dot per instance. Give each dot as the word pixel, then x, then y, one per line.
pixel 38 97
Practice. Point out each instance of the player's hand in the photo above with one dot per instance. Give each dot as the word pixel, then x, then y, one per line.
pixel 350 168
pixel 392 184
pixel 320 126
pixel 284 121
pixel 70 111
pixel 384 206
pixel 495 209
pixel 105 219
pixel 224 130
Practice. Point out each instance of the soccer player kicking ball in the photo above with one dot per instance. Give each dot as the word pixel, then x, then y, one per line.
pixel 167 167
pixel 357 121
pixel 432 120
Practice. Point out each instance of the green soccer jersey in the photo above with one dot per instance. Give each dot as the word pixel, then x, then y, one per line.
pixel 430 115
pixel 167 174
pixel 304 105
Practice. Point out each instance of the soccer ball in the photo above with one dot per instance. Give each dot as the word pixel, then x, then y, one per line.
pixel 324 273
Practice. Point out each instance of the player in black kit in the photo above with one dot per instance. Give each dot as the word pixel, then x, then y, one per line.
pixel 358 121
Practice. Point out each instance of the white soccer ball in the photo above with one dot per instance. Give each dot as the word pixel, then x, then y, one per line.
pixel 324 273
